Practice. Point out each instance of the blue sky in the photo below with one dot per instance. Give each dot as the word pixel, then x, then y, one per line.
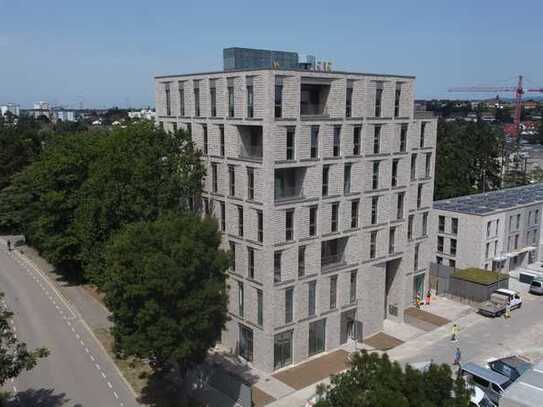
pixel 104 53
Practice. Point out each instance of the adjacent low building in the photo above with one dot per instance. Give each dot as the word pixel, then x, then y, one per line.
pixel 322 184
pixel 497 230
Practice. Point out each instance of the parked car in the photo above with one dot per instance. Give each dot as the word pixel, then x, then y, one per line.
pixel 536 287
pixel 514 297
pixel 480 399
pixel 512 366
pixel 492 383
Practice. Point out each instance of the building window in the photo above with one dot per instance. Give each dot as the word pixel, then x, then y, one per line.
pixel 487 250
pixel 498 225
pixel 289 305
pixel 419 196
pixel 250 98
pixel 394 180
pixel 391 240
pixel 378 98
pixel 413 167
pixel 422 134
pixel 282 349
pixel 289 224
pixel 174 126
pixel 352 287
pixel 440 244
pixel 516 242
pixel 337 141
pixel 232 179
pixel 260 307
pixel 301 261
pixel 403 138
pixel 347 178
pixel 197 98
pixel 356 139
pixel 425 224
pixel 277 266
pixel 325 174
pixel 349 99
pixel 241 300
pixel 250 183
pixel 375 177
pixel 214 177
pixel 206 139
pixel 205 203
pixel 410 220
pixel 400 205
pixel 510 223
pixel 452 263
pixel 181 98
pixel 453 247
pixel 221 131
pixel 454 226
pixel 376 139
pixel 333 292
pixel 223 216
pixel 397 97
pixel 518 222
pixel 278 97
pixel 230 90
pixel 529 218
pixel 260 221
pixel 213 97
pixel 334 218
pixel 416 257
pixel 290 143
pixel 240 221
pixel 313 221
pixel 439 260
pixel 168 99
pixel 374 209
pixel 536 217
pixel 251 263
pixel 314 141
pixel 311 298
pixel 428 164
pixel 245 343
pixel 317 337
pixel 441 224
pixel 354 213
pixel 373 244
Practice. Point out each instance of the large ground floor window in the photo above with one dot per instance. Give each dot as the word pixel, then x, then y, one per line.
pixel 282 350
pixel 245 342
pixel 317 336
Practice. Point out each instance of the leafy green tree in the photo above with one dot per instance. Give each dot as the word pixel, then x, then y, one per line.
pixel 165 285
pixel 14 355
pixel 375 381
pixel 141 172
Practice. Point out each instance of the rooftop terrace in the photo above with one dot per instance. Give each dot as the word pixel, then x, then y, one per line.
pixel 495 201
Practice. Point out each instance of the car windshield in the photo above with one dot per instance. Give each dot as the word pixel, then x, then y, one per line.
pixel 506 384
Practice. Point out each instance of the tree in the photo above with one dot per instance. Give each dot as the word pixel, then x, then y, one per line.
pixel 14 355
pixel 165 286
pixel 375 381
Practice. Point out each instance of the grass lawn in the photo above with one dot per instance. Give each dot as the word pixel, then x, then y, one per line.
pixel 479 276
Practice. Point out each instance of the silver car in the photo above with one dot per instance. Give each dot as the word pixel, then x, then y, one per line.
pixel 536 287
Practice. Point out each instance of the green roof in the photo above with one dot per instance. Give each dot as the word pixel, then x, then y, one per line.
pixel 479 276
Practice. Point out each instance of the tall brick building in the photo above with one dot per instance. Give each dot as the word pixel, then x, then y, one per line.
pixel 321 183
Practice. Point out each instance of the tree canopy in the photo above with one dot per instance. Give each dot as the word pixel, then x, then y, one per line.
pixel 375 381
pixel 15 357
pixel 165 285
pixel 468 158
pixel 85 186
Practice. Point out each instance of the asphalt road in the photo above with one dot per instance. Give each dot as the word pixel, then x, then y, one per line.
pixel 78 372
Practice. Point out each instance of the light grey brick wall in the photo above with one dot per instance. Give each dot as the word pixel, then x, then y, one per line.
pixel 371 273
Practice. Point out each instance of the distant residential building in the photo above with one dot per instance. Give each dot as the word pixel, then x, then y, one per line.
pixel 65 115
pixel 10 107
pixel 322 183
pixel 497 230
pixel 147 114
pixel 41 106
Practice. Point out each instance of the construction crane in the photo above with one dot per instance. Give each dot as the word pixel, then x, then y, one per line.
pixel 518 90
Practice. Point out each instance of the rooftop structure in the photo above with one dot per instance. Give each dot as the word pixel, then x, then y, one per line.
pixel 248 58
pixel 495 201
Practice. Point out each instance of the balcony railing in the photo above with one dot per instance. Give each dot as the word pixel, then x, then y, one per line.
pixel 331 260
pixel 251 152
pixel 286 193
pixel 313 110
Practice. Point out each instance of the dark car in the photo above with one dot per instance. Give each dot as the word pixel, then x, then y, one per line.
pixel 512 366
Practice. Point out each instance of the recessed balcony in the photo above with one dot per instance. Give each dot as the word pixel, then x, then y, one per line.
pixel 289 184
pixel 250 143
pixel 333 252
pixel 313 98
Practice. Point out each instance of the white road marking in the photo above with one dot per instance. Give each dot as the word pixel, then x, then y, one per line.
pixel 97 366
pixel 103 375
pixel 92 358
pixel 87 350
pixel 109 385
pixel 116 395
pixel 82 343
